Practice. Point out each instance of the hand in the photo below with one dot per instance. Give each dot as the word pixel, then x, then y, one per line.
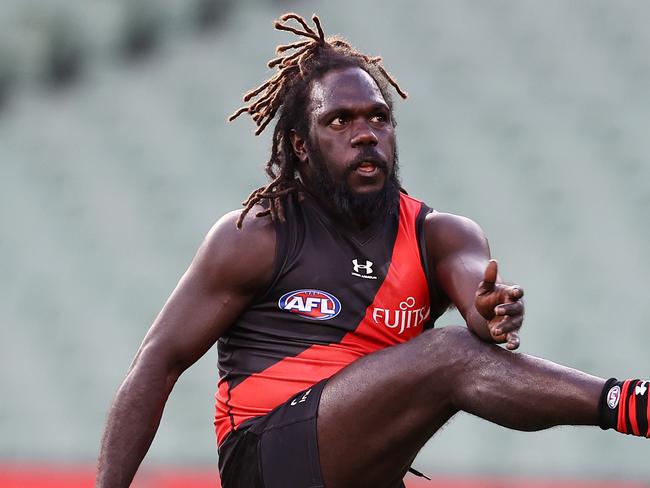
pixel 501 306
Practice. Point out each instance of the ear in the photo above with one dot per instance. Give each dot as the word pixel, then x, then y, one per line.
pixel 298 144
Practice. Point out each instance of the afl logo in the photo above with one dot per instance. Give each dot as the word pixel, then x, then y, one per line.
pixel 613 397
pixel 311 304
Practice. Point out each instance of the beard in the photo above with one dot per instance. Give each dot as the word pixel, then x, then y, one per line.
pixel 360 209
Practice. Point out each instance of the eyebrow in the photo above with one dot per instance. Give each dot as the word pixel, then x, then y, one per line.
pixel 346 109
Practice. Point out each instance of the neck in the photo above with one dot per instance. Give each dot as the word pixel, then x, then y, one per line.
pixel 356 211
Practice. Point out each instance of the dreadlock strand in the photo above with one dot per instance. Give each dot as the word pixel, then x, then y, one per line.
pixel 279 193
pixel 321 34
pixel 243 213
pixel 258 90
pixel 277 79
pixel 275 61
pixel 275 150
pixel 248 204
pixel 266 108
pixel 267 85
pixel 238 113
pixel 299 19
pixel 285 60
pixel 263 213
pixel 267 95
pixel 269 165
pixel 254 195
pixel 268 192
pixel 273 209
pixel 390 79
pixel 279 209
pixel 265 123
pixel 298 32
pixel 261 103
pixel 295 45
pixel 301 62
pixel 263 114
pixel 288 59
pixel 257 105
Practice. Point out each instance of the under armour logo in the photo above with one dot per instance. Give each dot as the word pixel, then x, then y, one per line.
pixel 366 267
pixel 641 388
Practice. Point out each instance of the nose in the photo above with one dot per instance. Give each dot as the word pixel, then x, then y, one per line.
pixel 363 135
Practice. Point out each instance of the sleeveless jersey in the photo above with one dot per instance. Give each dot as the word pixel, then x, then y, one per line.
pixel 335 296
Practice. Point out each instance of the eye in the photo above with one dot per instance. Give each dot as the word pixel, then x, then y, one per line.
pixel 339 121
pixel 379 118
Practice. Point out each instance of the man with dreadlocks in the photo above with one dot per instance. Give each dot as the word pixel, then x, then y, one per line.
pixel 322 294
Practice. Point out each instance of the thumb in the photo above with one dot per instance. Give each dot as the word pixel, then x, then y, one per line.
pixel 489 277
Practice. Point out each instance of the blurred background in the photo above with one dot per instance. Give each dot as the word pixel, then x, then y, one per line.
pixel 530 117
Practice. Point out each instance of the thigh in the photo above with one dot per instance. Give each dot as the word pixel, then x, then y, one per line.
pixel 288 446
pixel 377 413
pixel 279 450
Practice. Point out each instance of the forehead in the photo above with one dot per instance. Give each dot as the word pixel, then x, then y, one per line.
pixel 348 88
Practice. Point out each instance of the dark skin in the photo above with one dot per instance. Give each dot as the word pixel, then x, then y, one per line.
pixel 441 372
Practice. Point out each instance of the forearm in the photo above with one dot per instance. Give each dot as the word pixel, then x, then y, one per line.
pixel 478 325
pixel 132 423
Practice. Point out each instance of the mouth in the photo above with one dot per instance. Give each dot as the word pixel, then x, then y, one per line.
pixel 367 168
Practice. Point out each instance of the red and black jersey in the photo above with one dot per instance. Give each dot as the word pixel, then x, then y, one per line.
pixel 335 296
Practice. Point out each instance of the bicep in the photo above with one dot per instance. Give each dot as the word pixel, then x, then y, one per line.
pixel 459 251
pixel 219 284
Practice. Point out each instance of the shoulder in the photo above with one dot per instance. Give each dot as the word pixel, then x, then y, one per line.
pixel 445 233
pixel 244 256
pixel 254 233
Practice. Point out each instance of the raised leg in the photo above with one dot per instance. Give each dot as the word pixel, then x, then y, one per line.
pixel 376 414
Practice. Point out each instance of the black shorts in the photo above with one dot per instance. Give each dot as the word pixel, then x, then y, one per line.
pixel 278 450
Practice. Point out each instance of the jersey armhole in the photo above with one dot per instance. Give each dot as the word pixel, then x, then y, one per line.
pixel 422 247
pixel 286 242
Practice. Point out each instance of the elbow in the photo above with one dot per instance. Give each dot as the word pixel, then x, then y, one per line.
pixel 156 363
pixel 478 326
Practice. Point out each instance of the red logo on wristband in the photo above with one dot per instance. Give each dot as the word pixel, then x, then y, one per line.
pixel 613 396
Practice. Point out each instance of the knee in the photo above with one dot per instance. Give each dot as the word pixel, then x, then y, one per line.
pixel 453 350
pixel 452 338
pixel 452 332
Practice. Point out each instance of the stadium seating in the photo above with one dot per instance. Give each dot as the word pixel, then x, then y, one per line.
pixel 529 117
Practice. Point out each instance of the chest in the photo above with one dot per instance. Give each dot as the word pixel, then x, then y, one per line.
pixel 331 282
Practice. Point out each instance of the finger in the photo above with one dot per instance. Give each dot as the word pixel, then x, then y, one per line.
pixel 498 338
pixel 513 341
pixel 502 339
pixel 515 292
pixel 489 277
pixel 510 324
pixel 510 308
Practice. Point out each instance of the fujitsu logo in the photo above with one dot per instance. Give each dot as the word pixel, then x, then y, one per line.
pixel 408 316
pixel 360 268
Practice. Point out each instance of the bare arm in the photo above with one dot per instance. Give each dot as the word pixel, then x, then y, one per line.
pixel 229 268
pixel 459 255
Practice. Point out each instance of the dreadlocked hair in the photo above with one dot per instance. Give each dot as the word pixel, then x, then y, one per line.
pixel 287 93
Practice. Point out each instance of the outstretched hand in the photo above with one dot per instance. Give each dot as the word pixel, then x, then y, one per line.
pixel 501 306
